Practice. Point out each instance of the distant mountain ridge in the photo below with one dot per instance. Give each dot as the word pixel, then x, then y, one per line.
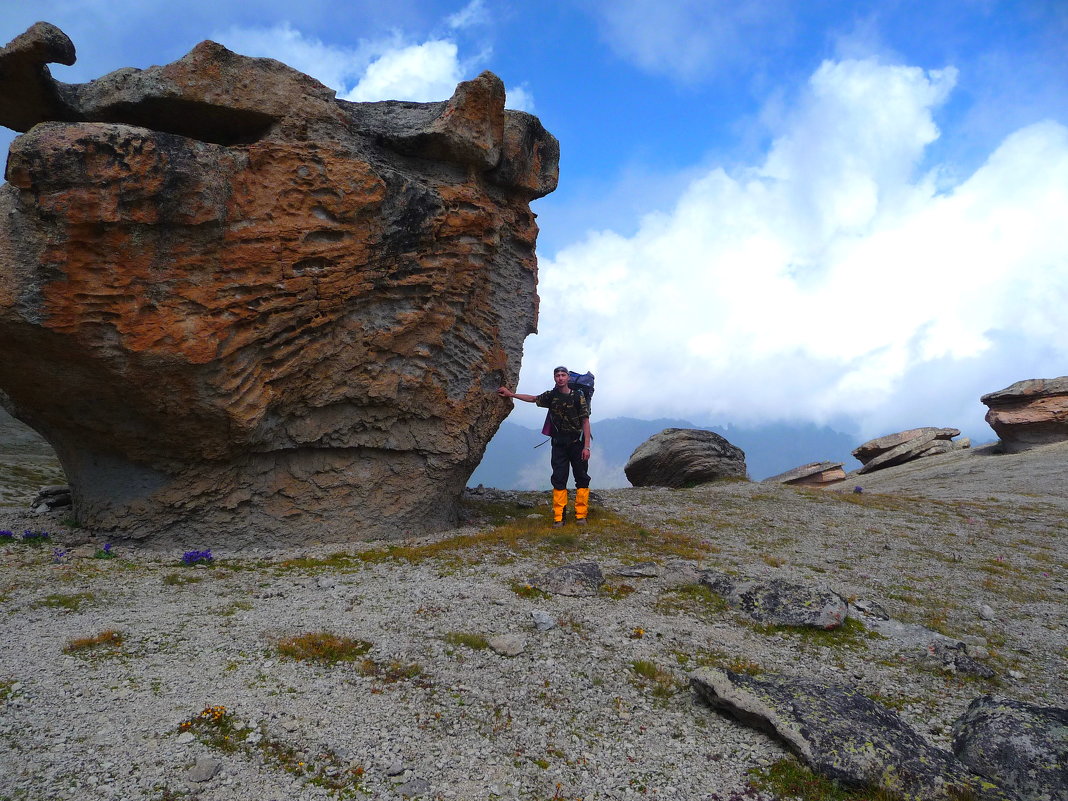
pixel 511 461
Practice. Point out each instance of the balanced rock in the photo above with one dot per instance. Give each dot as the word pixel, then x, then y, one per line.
pixel 904 446
pixel 814 474
pixel 684 457
pixel 842 734
pixel 1029 413
pixel 234 304
pixel 1020 746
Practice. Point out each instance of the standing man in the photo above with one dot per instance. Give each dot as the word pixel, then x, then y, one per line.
pixel 569 415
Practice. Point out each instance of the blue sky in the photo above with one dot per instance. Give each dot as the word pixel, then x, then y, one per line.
pixel 840 212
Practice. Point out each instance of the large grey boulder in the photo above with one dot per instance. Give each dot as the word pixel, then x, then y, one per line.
pixel 779 602
pixel 684 457
pixel 904 446
pixel 1029 413
pixel 842 734
pixel 1022 747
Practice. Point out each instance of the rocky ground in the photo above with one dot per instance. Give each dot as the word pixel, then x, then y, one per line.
pixel 596 706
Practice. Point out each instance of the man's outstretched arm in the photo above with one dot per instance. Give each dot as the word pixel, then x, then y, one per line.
pixel 504 392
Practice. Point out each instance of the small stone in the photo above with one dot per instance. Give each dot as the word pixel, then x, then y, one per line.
pixel 508 644
pixel 185 737
pixel 396 768
pixel 204 770
pixel 543 621
pixel 986 612
pixel 978 652
pixel 1015 674
pixel 325 582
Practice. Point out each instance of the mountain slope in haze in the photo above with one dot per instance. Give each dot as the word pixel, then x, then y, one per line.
pixel 516 458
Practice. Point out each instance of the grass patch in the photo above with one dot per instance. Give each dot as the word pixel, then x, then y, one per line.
pixel 852 635
pixel 528 591
pixel 394 671
pixel 616 591
pixel 697 599
pixel 108 640
pixel 606 533
pixel 340 562
pixel 773 561
pixel 467 640
pixel 234 608
pixel 71 602
pixel 177 579
pixel 322 647
pixel 713 657
pixel 7 689
pixel 217 728
pixel 650 676
pixel 788 778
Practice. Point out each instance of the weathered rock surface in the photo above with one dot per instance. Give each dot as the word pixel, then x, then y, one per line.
pixel 235 304
pixel 1022 747
pixel 779 602
pixel 578 579
pixel 904 446
pixel 684 457
pixel 813 474
pixel 1029 413
pixel 841 734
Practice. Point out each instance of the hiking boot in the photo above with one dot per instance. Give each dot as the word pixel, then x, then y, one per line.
pixel 581 521
pixel 558 524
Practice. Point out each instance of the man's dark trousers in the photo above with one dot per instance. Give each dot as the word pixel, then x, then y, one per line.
pixel 567 452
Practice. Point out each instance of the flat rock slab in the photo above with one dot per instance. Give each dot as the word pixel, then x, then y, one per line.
pixel 780 602
pixel 841 734
pixel 907 451
pixel 579 579
pixel 879 445
pixel 1022 747
pixel 640 570
pixel 811 473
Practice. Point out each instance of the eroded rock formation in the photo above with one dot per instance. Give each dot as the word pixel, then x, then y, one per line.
pixel 904 446
pixel 243 310
pixel 1029 413
pixel 684 457
pixel 813 474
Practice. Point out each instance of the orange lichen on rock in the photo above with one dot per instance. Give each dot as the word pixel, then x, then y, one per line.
pixel 231 300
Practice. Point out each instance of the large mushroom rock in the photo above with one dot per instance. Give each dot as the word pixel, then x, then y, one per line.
pixel 843 735
pixel 684 457
pixel 813 474
pixel 1029 413
pixel 1020 746
pixel 244 311
pixel 904 446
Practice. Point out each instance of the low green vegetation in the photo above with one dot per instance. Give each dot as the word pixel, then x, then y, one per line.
pixel 71 602
pixel 696 599
pixel 649 675
pixel 322 647
pixel 713 657
pixel 852 635
pixel 217 728
pixel 467 639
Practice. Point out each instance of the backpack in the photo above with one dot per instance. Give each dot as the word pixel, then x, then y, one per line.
pixel 578 382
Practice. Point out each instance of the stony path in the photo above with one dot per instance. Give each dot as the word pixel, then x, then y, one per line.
pixel 568 717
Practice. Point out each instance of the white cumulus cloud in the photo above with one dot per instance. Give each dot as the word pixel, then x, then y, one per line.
pixel 381 69
pixel 832 278
pixel 422 72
